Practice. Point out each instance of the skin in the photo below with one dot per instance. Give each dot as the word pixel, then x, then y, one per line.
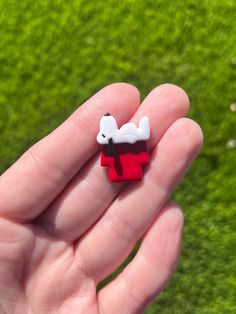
pixel 64 227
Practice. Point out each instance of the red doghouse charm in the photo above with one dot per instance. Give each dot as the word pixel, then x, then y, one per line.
pixel 124 150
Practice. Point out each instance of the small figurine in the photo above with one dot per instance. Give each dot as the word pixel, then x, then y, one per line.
pixel 124 150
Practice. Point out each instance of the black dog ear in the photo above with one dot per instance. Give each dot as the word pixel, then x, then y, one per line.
pixel 107 114
pixel 111 148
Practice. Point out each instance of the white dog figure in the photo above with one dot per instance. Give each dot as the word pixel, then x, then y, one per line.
pixel 128 133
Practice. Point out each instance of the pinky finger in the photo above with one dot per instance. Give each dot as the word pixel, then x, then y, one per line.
pixel 145 277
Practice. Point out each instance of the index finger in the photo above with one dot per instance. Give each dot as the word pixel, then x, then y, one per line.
pixel 42 172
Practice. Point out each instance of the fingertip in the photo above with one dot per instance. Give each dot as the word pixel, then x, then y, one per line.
pixel 178 92
pixel 120 89
pixel 178 96
pixel 170 217
pixel 174 214
pixel 193 130
pixel 188 133
pixel 197 133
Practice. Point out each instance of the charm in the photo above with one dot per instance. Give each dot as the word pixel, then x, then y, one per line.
pixel 124 150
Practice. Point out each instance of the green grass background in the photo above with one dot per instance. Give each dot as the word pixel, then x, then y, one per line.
pixel 55 54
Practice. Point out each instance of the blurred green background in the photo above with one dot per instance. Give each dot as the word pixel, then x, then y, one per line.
pixel 55 54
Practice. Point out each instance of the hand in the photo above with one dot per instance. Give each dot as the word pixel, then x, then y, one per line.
pixel 64 227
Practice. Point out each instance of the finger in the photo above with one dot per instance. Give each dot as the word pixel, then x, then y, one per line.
pixel 135 208
pixel 146 275
pixel 42 172
pixel 90 193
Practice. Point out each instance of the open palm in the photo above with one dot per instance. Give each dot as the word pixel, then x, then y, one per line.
pixel 64 227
